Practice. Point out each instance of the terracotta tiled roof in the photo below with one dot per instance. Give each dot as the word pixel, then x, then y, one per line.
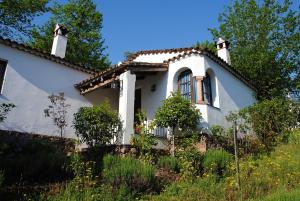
pixel 161 51
pixel 113 73
pixel 183 52
pixel 46 55
pixel 194 50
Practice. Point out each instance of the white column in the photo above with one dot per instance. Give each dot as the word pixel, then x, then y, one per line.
pixel 126 104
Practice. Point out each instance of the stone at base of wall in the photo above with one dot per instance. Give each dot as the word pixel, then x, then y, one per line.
pixel 20 138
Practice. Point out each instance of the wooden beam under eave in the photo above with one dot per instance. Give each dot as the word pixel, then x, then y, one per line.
pixel 97 86
pixel 148 69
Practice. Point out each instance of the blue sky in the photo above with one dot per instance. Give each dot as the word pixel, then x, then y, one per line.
pixel 132 25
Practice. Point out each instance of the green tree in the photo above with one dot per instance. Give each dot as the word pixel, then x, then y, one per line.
pixel 208 45
pixel 16 17
pixel 177 112
pixel 265 43
pixel 268 119
pixel 97 125
pixel 5 108
pixel 84 23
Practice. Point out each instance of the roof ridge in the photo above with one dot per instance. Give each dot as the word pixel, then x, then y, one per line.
pixel 161 51
pixel 46 55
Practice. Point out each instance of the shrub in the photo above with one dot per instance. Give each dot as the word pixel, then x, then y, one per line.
pixel 143 141
pixel 169 163
pixel 70 192
pixel 35 161
pixel 127 171
pixel 217 161
pixel 268 119
pixel 177 112
pixel 1 177
pixel 97 125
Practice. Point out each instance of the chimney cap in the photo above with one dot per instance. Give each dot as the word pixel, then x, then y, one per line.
pixel 60 30
pixel 221 43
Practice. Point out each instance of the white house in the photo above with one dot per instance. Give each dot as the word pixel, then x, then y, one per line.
pixel 28 76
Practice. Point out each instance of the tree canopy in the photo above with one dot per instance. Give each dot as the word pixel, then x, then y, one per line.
pixel 265 43
pixel 97 125
pixel 84 23
pixel 16 17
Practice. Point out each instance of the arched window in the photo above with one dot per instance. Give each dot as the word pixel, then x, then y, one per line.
pixel 206 90
pixel 185 84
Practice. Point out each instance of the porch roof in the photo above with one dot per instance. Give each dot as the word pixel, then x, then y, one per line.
pixel 105 78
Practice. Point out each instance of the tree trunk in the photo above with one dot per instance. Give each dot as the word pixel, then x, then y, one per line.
pixel 236 156
pixel 173 142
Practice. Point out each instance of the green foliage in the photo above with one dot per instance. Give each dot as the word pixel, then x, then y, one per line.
pixel 217 130
pixel 208 45
pixel 1 177
pixel 143 141
pixel 103 192
pixel 84 23
pixel 189 158
pixel 269 119
pixel 204 189
pixel 33 162
pixel 280 170
pixel 176 111
pixel 273 176
pixel 97 125
pixel 264 37
pixel 83 171
pixel 283 196
pixel 16 17
pixel 5 108
pixel 217 161
pixel 57 111
pixel 136 176
pixel 168 162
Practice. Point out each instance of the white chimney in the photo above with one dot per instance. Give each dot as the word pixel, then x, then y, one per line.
pixel 60 41
pixel 223 52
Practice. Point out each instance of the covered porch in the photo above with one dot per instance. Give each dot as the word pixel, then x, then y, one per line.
pixel 131 88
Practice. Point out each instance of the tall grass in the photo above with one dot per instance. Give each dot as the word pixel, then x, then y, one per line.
pixel 274 176
pixel 169 163
pixel 136 176
pixel 217 161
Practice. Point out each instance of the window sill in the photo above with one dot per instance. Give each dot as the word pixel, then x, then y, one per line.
pixel 202 103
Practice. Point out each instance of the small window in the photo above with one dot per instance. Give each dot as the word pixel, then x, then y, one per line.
pixel 2 73
pixel 184 84
pixel 206 89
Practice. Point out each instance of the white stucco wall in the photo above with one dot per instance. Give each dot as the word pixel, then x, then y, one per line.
pixel 233 94
pixel 229 93
pixel 151 100
pixel 29 80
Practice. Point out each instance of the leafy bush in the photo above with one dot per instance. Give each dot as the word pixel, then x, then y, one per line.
pixel 97 125
pixel 1 177
pixel 204 189
pixel 169 163
pixel 268 119
pixel 35 161
pixel 177 112
pixel 136 176
pixel 278 170
pixel 217 161
pixel 143 141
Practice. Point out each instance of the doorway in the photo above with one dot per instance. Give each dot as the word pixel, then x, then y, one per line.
pixel 137 104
